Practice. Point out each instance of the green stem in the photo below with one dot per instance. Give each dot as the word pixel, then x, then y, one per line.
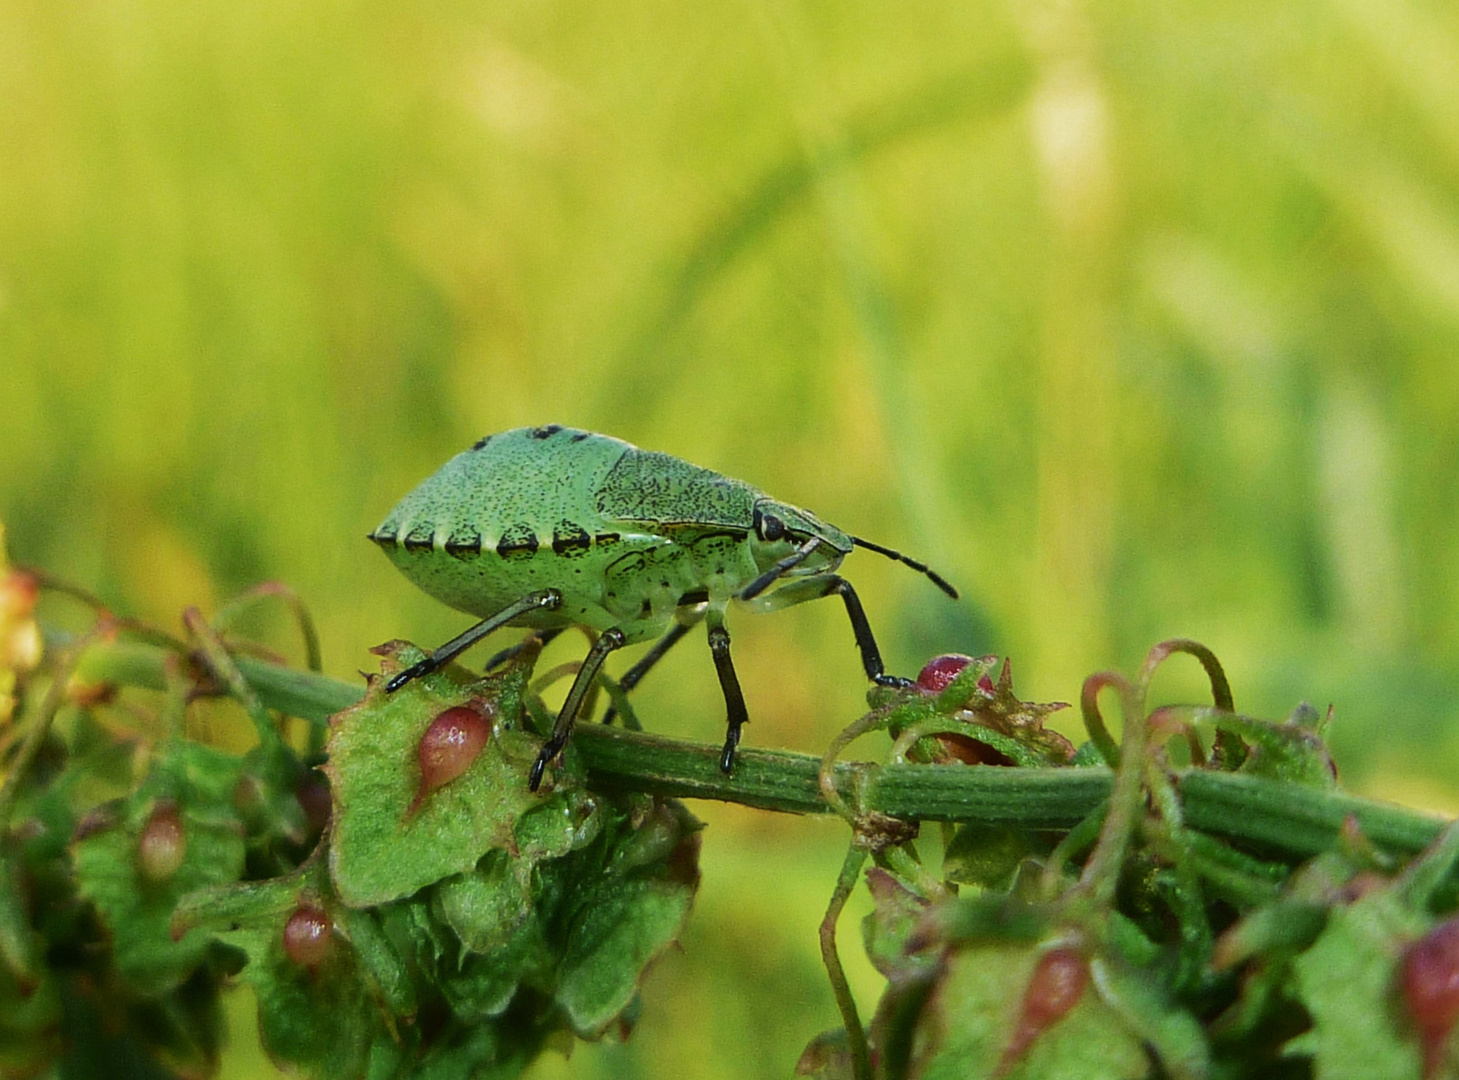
pixel 41 724
pixel 1101 872
pixel 224 667
pixel 1283 819
pixel 845 1003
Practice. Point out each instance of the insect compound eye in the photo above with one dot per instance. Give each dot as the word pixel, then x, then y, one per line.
pixel 770 527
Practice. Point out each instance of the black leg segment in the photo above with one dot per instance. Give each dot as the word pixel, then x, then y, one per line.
pixel 546 600
pixel 780 569
pixel 736 715
pixel 865 642
pixel 562 730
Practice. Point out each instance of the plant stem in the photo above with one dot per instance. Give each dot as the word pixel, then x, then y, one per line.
pixel 40 724
pixel 1283 819
pixel 845 1003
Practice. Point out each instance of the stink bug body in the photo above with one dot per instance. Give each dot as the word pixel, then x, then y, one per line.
pixel 548 528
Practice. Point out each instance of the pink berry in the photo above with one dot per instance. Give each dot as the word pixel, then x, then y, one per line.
pixel 1430 977
pixel 449 746
pixel 307 936
pixel 941 670
pixel 163 843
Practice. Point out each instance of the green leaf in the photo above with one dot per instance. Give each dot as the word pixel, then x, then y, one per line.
pixel 30 1020
pixel 895 917
pixel 1138 998
pixel 565 821
pixel 1346 981
pixel 318 1018
pixel 1287 923
pixel 992 918
pixel 478 1052
pixel 1293 750
pixel 482 987
pixel 20 946
pixel 989 855
pixel 380 962
pixel 969 1018
pixel 488 906
pixel 827 1057
pixel 627 925
pixel 384 845
pixel 137 907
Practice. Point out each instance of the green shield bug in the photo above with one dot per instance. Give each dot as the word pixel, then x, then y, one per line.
pixel 549 528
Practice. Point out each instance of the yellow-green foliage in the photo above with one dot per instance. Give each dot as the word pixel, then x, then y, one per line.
pixel 1134 319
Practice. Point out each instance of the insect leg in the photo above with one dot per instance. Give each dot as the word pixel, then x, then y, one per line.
pixel 545 600
pixel 813 588
pixel 609 640
pixel 634 675
pixel 784 566
pixel 542 637
pixel 736 715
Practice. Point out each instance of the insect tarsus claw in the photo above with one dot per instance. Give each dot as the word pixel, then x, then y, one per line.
pixel 415 671
pixel 534 779
pixel 895 682
pixel 727 755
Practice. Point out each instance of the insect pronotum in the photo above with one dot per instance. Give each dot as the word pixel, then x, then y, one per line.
pixel 549 527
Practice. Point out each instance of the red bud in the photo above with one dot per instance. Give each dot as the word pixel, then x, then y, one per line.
pixel 1430 977
pixel 1058 982
pixel 941 670
pixel 308 936
pixel 449 746
pixel 163 843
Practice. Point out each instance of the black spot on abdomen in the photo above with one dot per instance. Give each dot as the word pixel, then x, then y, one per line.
pixel 464 543
pixel 420 538
pixel 569 540
pixel 518 541
pixel 545 432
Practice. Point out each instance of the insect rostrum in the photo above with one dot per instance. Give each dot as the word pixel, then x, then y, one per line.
pixel 549 527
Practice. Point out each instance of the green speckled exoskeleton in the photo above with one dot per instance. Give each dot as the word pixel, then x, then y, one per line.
pixel 549 528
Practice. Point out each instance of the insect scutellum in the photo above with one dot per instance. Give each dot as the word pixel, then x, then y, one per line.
pixel 549 527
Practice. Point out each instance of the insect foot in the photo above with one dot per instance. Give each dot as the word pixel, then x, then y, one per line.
pixel 547 527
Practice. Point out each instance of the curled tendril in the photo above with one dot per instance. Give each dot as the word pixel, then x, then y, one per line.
pixel 556 674
pixel 1101 872
pixel 826 777
pixel 1227 751
pixel 1220 687
pixel 1094 722
pixel 1172 720
pixel 271 590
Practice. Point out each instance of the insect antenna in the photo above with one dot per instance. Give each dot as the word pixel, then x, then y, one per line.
pixel 922 568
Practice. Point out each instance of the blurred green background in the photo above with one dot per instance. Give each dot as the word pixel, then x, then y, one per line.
pixel 1135 319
